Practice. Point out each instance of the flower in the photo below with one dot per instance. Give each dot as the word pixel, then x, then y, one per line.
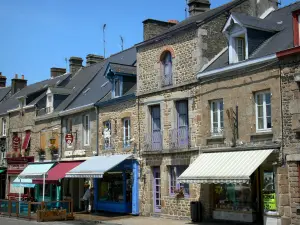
pixel 53 149
pixel 41 151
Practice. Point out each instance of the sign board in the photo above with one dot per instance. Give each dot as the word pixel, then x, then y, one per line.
pixel 16 143
pixel 69 139
pixel 270 202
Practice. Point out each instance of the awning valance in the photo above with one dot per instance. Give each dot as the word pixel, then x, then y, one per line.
pixel 96 166
pixel 224 167
pixel 58 172
pixel 27 183
pixel 36 170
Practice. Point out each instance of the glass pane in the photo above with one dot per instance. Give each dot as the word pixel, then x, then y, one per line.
pixel 269 122
pixel 215 117
pixel 222 116
pixel 259 99
pixel 221 105
pixel 268 98
pixel 214 107
pixel 260 123
pixel 268 108
pixel 260 111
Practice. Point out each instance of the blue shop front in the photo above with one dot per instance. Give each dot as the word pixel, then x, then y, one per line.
pixel 115 182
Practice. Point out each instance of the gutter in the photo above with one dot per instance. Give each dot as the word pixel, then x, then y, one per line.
pixel 115 100
pixel 17 109
pixel 76 110
pixel 233 67
pixel 287 52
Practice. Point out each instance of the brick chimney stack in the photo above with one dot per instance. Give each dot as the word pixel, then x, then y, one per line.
pixel 154 28
pixel 17 84
pixel 75 63
pixel 92 59
pixel 55 72
pixel 2 80
pixel 198 6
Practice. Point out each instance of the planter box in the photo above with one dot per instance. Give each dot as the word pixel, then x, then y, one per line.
pixel 51 215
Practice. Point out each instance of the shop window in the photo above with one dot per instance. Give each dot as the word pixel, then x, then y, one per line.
pixel 263 111
pixel 47 190
pixel 175 186
pixel 217 117
pixel 269 194
pixel 126 132
pixel 110 187
pixel 236 197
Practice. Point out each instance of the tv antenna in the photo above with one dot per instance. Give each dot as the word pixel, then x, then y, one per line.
pixel 186 9
pixel 104 26
pixel 122 42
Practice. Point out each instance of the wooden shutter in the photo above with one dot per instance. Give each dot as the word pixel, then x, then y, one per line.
pixel 43 141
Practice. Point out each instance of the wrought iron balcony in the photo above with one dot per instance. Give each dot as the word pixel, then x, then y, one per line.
pixel 167 80
pixel 179 138
pixel 153 141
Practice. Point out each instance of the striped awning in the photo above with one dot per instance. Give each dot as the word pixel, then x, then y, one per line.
pixel 96 166
pixel 224 167
pixel 35 170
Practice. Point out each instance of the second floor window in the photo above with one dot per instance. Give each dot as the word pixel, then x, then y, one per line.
pixel 240 48
pixel 3 127
pixel 107 134
pixel 217 117
pixel 263 111
pixel 166 62
pixel 156 135
pixel 86 130
pixel 126 132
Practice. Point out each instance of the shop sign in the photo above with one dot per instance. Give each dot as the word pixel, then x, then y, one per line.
pixel 19 167
pixel 69 139
pixel 270 202
pixel 16 143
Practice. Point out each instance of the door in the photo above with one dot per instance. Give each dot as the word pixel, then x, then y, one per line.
pixel 182 124
pixel 156 189
pixel 156 128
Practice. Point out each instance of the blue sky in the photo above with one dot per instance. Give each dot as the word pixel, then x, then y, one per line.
pixel 36 35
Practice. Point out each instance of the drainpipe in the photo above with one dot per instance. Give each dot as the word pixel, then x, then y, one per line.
pixel 61 138
pixel 97 130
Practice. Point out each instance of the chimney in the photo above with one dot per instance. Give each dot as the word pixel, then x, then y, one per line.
pixel 75 64
pixel 18 84
pixel 92 59
pixel 2 80
pixel 154 28
pixel 55 72
pixel 198 6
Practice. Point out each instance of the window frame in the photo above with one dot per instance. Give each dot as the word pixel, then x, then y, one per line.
pixel 164 64
pixel 120 87
pixel 86 132
pixel 233 55
pixel 110 139
pixel 49 104
pixel 177 184
pixel 264 129
pixel 220 129
pixel 126 145
pixel 4 127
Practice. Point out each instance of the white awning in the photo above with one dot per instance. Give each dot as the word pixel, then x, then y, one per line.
pixel 35 170
pixel 96 166
pixel 224 167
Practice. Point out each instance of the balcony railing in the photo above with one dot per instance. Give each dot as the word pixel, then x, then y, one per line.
pixel 179 138
pixel 44 111
pixel 153 141
pixel 167 80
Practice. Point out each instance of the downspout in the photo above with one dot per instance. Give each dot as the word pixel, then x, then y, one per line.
pixel 61 138
pixel 97 130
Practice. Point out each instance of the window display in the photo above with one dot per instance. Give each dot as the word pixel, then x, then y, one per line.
pixel 269 192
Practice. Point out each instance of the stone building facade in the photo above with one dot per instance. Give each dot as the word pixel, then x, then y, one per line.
pixel 167 151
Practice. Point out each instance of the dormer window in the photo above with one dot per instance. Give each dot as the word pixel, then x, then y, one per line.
pixel 117 87
pixel 166 62
pixel 49 103
pixel 238 48
pixel 22 103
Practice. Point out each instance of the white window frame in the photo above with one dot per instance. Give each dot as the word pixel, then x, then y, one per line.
pixel 126 145
pixel 264 129
pixel 4 125
pixel 120 87
pixel 220 129
pixel 86 132
pixel 233 57
pixel 22 102
pixel 110 138
pixel 49 105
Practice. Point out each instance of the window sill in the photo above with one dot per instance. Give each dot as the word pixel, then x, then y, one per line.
pixel 186 197
pixel 262 136
pixel 215 140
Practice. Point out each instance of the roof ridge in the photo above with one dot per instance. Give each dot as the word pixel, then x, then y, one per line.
pixel 121 64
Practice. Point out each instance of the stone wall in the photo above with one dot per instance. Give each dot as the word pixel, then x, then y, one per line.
pixel 77 131
pixel 115 113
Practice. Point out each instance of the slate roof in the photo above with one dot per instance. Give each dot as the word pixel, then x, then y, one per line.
pixel 281 40
pixel 13 103
pixel 60 90
pixel 196 19
pixel 98 85
pixel 3 92
pixel 120 68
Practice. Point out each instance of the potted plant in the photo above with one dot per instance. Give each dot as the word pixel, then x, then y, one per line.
pixel 179 193
pixel 41 153
pixel 53 149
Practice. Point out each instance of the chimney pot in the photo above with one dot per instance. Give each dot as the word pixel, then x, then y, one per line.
pixel 75 63
pixel 22 77
pixel 16 76
pixel 92 59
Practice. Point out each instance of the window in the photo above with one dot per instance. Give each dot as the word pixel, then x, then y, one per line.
pixel 126 132
pixel 107 134
pixel 117 87
pixel 49 104
pixel 166 62
pixel 217 117
pixel 263 111
pixel 240 48
pixel 156 135
pixel 86 130
pixel 3 127
pixel 175 172
pixel 22 102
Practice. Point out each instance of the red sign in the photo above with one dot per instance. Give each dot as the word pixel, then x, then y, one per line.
pixel 69 139
pixel 16 143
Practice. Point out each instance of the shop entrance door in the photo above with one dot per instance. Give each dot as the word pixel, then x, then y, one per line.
pixel 156 189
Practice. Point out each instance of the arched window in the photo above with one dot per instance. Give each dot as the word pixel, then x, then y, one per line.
pixel 166 61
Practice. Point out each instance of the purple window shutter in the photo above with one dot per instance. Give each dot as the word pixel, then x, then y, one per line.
pixel 182 109
pixel 156 127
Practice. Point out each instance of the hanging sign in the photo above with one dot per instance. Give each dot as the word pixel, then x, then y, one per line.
pixel 270 202
pixel 69 139
pixel 16 143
